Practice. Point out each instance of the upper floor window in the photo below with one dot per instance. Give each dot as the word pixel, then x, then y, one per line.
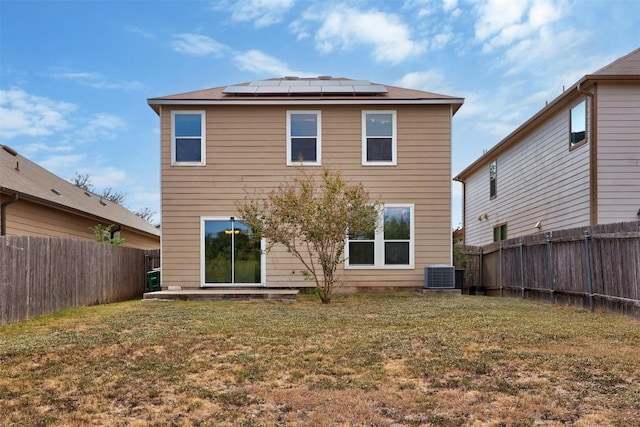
pixel 188 138
pixel 379 145
pixel 391 246
pixel 304 142
pixel 493 179
pixel 500 232
pixel 577 133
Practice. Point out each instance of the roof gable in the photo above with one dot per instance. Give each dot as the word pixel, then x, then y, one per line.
pixel 31 181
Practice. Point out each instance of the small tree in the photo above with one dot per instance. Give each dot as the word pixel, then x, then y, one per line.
pixel 103 235
pixel 311 219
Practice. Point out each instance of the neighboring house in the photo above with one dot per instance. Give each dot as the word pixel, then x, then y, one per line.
pixel 36 202
pixel 218 143
pixel 574 163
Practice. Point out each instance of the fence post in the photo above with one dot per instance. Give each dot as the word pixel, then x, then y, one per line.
pixel 522 267
pixel 481 267
pixel 550 267
pixel 587 236
pixel 500 266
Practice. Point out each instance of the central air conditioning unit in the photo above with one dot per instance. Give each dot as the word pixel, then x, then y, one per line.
pixel 439 277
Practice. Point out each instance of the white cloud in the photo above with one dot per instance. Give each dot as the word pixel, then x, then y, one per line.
pixel 62 165
pixel 139 31
pixel 96 80
pixel 33 149
pixel 109 176
pixel 449 5
pixel 198 45
pixel 504 22
pixel 258 62
pixel 22 114
pixel 261 12
pixel 97 127
pixel 429 81
pixel 345 28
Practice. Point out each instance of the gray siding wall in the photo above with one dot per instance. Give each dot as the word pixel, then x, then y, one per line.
pixel 538 179
pixel 618 153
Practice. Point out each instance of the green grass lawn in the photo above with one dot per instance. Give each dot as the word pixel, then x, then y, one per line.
pixel 383 359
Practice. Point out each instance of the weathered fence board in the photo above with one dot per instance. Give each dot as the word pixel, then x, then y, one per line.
pixel 594 267
pixel 41 275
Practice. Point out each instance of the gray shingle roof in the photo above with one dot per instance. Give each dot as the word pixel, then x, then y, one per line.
pixel 627 65
pixel 22 176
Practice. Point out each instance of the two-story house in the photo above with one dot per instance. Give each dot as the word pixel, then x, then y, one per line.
pixel 219 143
pixel 574 163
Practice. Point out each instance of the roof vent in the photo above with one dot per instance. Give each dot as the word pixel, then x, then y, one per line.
pixel 86 193
pixel 291 78
pixel 10 150
pixel 324 77
pixel 102 202
pixel 56 192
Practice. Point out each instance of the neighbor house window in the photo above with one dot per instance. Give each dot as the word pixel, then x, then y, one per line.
pixel 500 232
pixel 390 246
pixel 188 138
pixel 578 124
pixel 379 145
pixel 304 142
pixel 493 179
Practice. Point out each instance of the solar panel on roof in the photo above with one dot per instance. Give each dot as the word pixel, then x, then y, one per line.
pixel 337 89
pixel 304 89
pixel 239 89
pixel 370 89
pixel 306 86
pixel 275 90
pixel 353 82
pixel 265 83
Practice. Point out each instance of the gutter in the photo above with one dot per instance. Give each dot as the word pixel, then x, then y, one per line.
pixel 3 214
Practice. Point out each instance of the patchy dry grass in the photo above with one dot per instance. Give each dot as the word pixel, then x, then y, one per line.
pixel 365 360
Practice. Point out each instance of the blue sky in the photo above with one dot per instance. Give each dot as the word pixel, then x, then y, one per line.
pixel 75 75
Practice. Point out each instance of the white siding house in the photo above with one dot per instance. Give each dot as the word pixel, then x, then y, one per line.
pixel 575 163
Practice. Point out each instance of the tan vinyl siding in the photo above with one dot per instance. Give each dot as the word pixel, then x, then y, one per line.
pixel 26 218
pixel 618 153
pixel 246 147
pixel 538 179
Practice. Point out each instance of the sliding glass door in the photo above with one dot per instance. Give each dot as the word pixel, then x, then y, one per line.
pixel 232 254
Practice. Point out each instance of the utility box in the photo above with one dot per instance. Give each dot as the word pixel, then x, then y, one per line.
pixel 439 277
pixel 153 280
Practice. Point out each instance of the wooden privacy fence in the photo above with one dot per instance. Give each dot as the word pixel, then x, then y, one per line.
pixel 41 275
pixel 595 267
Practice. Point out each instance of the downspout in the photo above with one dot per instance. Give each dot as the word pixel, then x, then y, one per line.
pixel 593 155
pixel 3 214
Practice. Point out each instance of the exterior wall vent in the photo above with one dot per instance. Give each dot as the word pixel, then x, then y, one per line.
pixel 439 277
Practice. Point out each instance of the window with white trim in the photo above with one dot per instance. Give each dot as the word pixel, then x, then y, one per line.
pixel 493 179
pixel 390 246
pixel 304 138
pixel 578 124
pixel 379 145
pixel 188 138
